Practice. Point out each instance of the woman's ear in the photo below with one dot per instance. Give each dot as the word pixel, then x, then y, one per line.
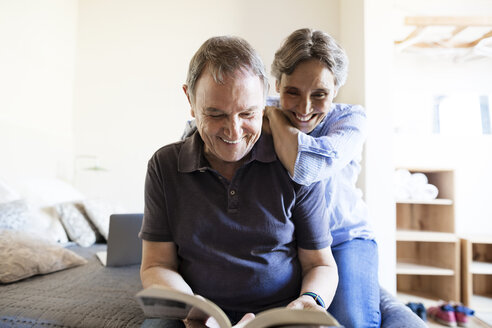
pixel 335 93
pixel 277 86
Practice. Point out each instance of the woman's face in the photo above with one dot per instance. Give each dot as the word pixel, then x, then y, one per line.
pixel 306 95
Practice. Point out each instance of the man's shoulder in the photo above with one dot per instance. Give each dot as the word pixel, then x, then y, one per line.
pixel 167 154
pixel 169 149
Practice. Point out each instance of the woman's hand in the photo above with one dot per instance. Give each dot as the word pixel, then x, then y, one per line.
pixel 268 112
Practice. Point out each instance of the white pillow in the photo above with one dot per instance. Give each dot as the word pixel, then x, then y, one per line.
pixel 98 211
pixel 44 192
pixel 45 223
pixel 76 225
pixel 23 255
pixel 13 215
pixel 7 194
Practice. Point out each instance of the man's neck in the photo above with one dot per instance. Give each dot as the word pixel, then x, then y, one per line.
pixel 226 169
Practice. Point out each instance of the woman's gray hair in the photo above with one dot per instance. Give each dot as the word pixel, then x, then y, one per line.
pixel 224 55
pixel 305 44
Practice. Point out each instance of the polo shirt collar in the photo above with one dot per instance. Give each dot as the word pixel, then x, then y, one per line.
pixel 191 156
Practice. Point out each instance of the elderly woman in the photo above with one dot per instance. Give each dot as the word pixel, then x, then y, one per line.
pixel 318 140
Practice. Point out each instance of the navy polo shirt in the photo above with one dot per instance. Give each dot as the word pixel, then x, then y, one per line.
pixel 236 240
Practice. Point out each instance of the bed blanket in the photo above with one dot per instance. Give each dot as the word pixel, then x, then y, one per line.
pixel 93 296
pixel 89 296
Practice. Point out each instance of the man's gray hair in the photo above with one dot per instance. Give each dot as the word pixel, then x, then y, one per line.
pixel 223 55
pixel 305 44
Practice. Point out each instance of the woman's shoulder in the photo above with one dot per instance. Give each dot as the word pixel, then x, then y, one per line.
pixel 342 108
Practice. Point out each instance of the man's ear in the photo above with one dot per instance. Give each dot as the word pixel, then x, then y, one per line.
pixel 185 89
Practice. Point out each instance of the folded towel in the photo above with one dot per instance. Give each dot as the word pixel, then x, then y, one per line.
pixel 413 186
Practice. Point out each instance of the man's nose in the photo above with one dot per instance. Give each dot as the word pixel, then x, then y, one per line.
pixel 233 128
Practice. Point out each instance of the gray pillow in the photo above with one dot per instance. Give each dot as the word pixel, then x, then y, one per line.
pixel 76 225
pixel 13 215
pixel 24 255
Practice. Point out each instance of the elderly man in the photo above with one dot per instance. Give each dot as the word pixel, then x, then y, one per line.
pixel 222 217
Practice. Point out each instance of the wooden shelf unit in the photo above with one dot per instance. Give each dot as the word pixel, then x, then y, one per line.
pixel 427 249
pixel 476 257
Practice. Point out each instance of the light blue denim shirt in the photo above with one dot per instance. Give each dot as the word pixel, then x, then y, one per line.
pixel 332 153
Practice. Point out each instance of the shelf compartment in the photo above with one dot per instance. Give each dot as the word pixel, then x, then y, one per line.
pixel 435 287
pixel 484 268
pixel 403 268
pixel 481 302
pixel 476 256
pixel 438 201
pixel 430 236
pixel 425 217
pixel 444 255
pixel 417 297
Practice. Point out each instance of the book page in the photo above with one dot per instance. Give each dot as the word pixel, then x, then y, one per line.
pixel 161 302
pixel 285 317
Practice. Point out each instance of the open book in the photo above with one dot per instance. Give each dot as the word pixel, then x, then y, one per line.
pixel 161 302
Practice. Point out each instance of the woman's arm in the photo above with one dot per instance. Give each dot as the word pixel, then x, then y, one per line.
pixel 284 137
pixel 320 276
pixel 309 159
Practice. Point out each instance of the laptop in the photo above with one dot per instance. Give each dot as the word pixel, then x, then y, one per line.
pixel 124 246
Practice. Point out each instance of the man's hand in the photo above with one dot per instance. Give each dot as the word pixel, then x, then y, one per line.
pixel 245 319
pixel 212 323
pixel 305 302
pixel 189 323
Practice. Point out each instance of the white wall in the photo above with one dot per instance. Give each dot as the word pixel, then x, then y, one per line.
pixel 417 78
pixel 368 43
pixel 37 42
pixel 132 59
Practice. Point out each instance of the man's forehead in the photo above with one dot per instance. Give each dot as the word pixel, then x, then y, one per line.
pixel 223 77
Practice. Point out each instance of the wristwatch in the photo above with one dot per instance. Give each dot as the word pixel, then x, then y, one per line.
pixel 317 298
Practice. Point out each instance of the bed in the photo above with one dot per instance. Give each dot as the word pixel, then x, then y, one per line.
pixel 68 286
pixel 89 295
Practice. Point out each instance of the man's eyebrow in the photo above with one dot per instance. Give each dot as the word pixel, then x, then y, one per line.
pixel 252 108
pixel 213 110
pixel 216 110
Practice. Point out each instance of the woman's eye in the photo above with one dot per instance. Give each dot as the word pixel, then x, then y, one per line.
pixel 319 95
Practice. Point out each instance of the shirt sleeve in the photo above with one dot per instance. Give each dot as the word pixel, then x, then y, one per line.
pixel 155 226
pixel 310 217
pixel 320 157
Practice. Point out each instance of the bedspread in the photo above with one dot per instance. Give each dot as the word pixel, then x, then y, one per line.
pixel 93 296
pixel 90 295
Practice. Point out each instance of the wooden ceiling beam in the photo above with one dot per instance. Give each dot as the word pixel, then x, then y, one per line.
pixel 474 42
pixel 449 20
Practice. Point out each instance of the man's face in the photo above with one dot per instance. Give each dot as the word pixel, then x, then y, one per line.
pixel 306 95
pixel 228 116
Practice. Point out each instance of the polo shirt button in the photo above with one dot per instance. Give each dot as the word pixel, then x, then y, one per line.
pixel 232 192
